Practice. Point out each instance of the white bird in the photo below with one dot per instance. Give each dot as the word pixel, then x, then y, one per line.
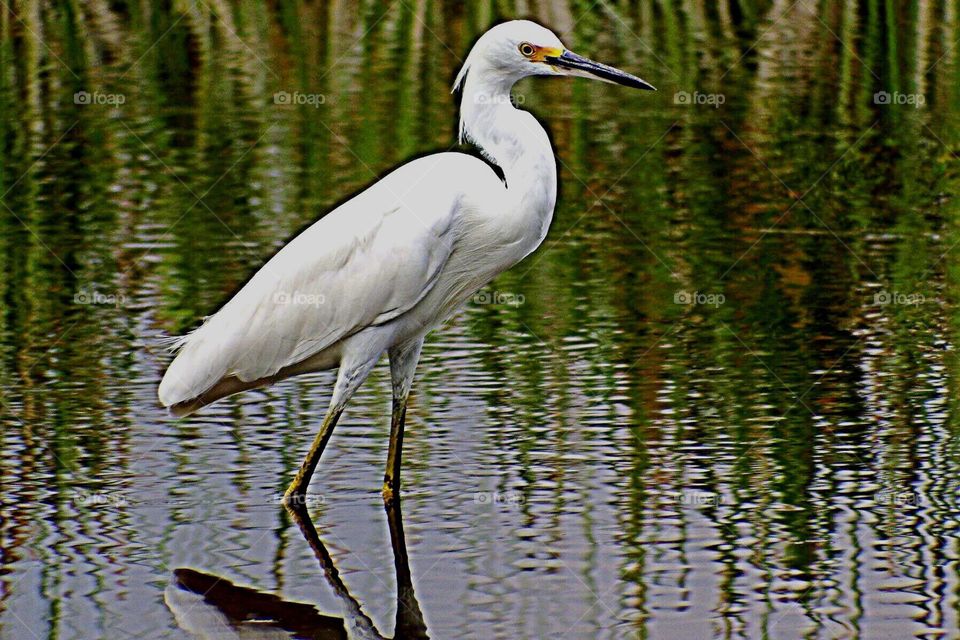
pixel 379 272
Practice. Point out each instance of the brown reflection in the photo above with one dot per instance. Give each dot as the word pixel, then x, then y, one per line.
pixel 210 606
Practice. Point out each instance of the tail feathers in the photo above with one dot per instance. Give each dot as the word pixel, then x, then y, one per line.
pixel 173 344
pixel 222 389
pixel 197 367
pixel 203 370
pixel 201 373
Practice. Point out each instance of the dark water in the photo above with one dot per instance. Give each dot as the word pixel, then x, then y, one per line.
pixel 719 402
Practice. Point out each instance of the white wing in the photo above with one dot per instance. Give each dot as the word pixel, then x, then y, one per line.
pixel 364 263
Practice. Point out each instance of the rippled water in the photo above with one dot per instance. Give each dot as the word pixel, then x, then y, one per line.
pixel 719 401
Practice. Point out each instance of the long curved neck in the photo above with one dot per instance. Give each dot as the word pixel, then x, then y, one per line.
pixel 510 138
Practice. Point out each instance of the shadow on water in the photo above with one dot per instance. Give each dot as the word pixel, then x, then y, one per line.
pixel 211 606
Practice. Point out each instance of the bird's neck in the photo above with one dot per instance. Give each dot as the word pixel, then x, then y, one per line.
pixel 510 138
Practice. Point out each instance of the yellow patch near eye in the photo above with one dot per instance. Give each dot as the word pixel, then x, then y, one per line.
pixel 542 53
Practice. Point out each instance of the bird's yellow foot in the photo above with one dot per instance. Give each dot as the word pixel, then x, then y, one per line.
pixel 387 492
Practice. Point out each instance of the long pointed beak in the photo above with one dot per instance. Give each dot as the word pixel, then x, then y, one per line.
pixel 576 65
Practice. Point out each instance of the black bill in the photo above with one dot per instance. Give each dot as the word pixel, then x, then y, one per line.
pixel 588 68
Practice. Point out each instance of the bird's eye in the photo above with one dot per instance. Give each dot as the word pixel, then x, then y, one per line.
pixel 527 49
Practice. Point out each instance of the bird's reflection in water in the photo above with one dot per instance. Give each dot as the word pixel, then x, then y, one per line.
pixel 210 606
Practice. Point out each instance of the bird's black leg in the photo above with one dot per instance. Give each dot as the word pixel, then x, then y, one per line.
pixel 403 365
pixel 409 621
pixel 353 371
pixel 298 488
pixel 391 478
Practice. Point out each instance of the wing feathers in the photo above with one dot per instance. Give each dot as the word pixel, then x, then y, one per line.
pixel 365 263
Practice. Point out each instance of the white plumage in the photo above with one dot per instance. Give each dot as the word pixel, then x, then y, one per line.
pixel 364 264
pixel 377 273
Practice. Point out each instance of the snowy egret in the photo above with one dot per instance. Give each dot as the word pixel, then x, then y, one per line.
pixel 377 273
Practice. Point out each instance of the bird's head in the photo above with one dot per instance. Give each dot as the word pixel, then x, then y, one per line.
pixel 520 48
